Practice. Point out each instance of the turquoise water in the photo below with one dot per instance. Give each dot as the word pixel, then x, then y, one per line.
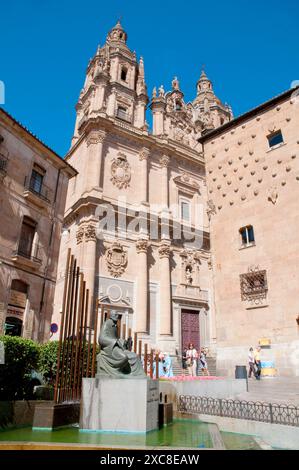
pixel 182 433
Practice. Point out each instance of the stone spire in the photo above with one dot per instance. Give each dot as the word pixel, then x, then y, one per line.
pixel 204 88
pixel 208 108
pixel 117 34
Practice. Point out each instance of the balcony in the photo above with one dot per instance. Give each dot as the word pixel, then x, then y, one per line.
pixel 191 294
pixel 28 255
pixel 3 165
pixel 37 192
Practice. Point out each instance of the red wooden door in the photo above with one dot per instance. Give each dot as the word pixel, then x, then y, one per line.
pixel 190 328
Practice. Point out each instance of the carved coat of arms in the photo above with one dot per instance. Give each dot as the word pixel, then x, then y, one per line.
pixel 117 259
pixel 120 171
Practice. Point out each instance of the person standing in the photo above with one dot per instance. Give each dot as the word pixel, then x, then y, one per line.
pixel 184 360
pixel 168 365
pixel 203 362
pixel 191 362
pixel 251 363
pixel 257 361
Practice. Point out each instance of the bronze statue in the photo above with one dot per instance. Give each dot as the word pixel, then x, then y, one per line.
pixel 114 360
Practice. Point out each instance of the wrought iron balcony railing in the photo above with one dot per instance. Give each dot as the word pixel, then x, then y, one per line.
pixel 37 187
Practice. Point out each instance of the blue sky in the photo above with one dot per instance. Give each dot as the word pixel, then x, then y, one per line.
pixel 249 48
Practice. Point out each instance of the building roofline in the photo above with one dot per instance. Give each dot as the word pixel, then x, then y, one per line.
pixel 71 169
pixel 249 114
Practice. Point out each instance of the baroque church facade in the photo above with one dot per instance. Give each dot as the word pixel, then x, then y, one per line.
pixel 142 211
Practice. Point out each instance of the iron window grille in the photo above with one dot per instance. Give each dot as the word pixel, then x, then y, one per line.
pixel 253 285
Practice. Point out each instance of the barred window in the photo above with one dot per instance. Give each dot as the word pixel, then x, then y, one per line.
pixel 253 285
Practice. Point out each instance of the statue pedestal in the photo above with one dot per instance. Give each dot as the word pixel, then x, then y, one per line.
pixel 119 405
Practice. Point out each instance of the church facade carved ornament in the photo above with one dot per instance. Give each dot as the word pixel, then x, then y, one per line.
pixel 190 261
pixel 164 249
pixel 80 235
pixel 120 171
pixel 164 161
pixel 211 208
pixel 116 259
pixel 90 233
pixel 187 184
pixel 142 246
pixel 95 137
pixel 144 154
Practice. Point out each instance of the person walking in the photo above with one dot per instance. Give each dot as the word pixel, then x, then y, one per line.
pixel 191 362
pixel 257 361
pixel 251 363
pixel 203 362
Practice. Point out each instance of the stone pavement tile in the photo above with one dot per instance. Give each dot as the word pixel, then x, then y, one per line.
pixel 273 390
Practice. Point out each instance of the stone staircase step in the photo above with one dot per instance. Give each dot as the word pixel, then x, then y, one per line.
pixel 178 370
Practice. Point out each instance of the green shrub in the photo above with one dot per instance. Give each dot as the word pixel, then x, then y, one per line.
pixel 47 364
pixel 21 357
pixel 48 360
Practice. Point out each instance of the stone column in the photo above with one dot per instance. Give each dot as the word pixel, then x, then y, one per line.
pixel 111 104
pixel 89 267
pixel 143 157
pixel 165 289
pixel 94 143
pixel 164 161
pixel 142 288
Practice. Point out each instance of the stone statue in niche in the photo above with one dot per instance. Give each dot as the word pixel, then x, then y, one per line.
pixel 115 360
pixel 189 278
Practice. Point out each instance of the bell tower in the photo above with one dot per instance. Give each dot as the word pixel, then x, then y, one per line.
pixel 208 108
pixel 115 84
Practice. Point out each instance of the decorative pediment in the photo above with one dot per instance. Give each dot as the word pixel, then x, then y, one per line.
pixel 186 184
pixel 122 303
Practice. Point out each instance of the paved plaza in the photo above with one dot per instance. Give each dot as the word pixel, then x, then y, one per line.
pixel 273 390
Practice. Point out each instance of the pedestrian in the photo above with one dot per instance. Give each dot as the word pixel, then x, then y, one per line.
pixel 203 362
pixel 191 361
pixel 257 361
pixel 251 363
pixel 184 360
pixel 168 365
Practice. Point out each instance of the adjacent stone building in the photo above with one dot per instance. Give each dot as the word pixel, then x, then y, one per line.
pixel 252 168
pixel 33 185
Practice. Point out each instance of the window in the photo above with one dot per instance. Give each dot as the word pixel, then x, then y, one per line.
pixel 36 180
pixel 253 285
pixel 275 139
pixel 178 106
pixel 123 75
pixel 122 113
pixel 247 235
pixel 185 210
pixel 27 236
